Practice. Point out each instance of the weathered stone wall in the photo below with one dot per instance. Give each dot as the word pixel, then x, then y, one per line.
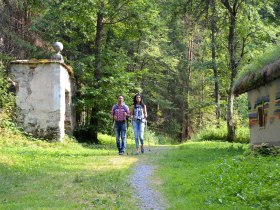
pixel 41 100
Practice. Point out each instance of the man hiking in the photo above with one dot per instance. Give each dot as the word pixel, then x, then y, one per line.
pixel 120 112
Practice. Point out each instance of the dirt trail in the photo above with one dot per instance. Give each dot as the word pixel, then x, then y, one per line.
pixel 144 184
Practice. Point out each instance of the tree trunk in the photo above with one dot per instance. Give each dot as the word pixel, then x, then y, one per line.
pixel 230 124
pixel 93 126
pixel 186 113
pixel 94 121
pixel 214 66
pixel 201 122
pixel 233 65
pixel 98 42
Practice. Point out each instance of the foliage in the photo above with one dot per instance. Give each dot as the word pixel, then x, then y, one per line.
pixel 144 48
pixel 270 55
pixel 151 138
pixel 212 133
pixel 7 99
pixel 243 134
pixel 122 29
pixel 17 39
pixel 264 150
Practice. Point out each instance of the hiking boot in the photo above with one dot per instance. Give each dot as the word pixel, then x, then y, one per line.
pixel 142 148
pixel 121 153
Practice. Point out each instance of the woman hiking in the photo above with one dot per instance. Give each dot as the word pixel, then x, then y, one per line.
pixel 139 116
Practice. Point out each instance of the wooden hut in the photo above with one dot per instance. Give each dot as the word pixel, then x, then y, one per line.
pixel 263 87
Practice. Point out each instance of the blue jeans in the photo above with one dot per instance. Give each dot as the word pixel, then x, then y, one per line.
pixel 120 131
pixel 138 127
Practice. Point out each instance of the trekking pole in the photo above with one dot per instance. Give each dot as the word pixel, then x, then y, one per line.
pixel 127 141
pixel 147 135
pixel 127 121
pixel 132 136
pixel 112 134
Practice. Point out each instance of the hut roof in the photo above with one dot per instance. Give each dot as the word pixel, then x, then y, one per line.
pixel 258 78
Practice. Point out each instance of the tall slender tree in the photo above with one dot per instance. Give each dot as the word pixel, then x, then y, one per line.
pixel 214 62
pixel 97 74
pixel 234 60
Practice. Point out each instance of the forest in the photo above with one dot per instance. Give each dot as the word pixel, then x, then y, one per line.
pixel 182 56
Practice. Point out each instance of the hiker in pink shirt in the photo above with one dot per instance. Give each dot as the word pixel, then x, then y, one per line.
pixel 120 112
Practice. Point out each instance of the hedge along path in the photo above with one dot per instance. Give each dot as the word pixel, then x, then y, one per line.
pixel 144 182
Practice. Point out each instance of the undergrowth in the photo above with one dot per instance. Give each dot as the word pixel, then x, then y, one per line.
pixel 213 133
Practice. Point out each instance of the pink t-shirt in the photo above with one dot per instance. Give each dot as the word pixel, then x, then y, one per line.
pixel 119 111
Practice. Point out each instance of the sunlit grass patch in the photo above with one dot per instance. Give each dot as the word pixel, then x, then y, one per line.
pixel 6 160
pixel 216 175
pixel 67 175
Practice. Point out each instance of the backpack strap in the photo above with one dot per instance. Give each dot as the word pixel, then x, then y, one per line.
pixel 125 108
pixel 142 106
pixel 116 106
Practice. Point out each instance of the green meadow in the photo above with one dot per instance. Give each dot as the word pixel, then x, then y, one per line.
pixel 35 174
pixel 41 175
pixel 219 175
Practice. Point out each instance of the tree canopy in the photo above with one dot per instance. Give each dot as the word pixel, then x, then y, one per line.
pixel 183 56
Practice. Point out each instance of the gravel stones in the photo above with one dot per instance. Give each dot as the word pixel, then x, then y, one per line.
pixel 141 180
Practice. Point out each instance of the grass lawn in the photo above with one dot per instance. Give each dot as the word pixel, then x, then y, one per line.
pixel 195 175
pixel 216 175
pixel 41 175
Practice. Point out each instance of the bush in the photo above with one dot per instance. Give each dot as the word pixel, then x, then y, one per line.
pixel 213 133
pixel 7 99
pixel 242 135
pixel 263 150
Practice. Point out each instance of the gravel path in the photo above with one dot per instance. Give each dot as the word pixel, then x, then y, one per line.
pixel 144 188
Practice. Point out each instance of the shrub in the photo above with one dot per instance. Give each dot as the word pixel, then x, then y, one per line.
pixel 242 135
pixel 7 99
pixel 213 133
pixel 263 150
